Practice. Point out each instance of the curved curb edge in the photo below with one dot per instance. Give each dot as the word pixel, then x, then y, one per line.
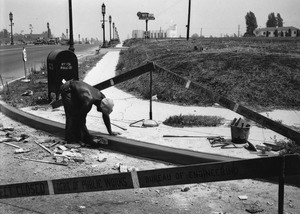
pixel 128 146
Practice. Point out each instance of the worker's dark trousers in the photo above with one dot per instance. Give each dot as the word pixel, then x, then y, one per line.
pixel 75 129
pixel 70 127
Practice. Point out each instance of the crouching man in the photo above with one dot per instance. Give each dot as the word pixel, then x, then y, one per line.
pixel 78 98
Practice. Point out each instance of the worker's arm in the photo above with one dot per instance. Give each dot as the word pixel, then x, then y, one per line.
pixel 106 120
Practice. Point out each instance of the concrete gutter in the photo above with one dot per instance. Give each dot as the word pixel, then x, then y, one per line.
pixel 130 146
pixel 118 144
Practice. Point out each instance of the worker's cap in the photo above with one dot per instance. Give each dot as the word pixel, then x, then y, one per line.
pixel 107 105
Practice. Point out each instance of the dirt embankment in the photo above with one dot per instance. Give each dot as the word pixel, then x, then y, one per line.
pixel 257 72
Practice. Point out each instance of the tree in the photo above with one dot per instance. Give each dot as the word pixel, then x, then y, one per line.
pixel 279 20
pixel 272 20
pixel 195 35
pixel 4 34
pixel 251 24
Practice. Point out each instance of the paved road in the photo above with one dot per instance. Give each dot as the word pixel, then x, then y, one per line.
pixel 12 65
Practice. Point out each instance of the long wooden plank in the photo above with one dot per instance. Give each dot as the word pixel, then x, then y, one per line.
pixel 199 173
pixel 117 79
pixel 125 76
pixel 225 102
pixel 233 170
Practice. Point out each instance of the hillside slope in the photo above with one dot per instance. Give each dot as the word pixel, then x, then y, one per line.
pixel 261 73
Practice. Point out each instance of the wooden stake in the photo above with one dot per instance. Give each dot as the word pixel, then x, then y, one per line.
pixel 10 144
pixel 43 161
pixel 48 150
pixel 281 186
pixel 119 126
pixel 194 136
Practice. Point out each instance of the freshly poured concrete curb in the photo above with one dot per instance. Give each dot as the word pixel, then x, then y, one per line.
pixel 118 144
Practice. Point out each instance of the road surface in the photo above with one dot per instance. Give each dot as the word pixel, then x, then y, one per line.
pixel 12 64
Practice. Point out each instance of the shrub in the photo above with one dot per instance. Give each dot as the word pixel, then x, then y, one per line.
pixel 193 120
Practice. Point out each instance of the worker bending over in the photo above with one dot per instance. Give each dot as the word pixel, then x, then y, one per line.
pixel 78 98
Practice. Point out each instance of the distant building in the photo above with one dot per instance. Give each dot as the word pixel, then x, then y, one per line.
pixel 277 32
pixel 171 32
pixel 32 37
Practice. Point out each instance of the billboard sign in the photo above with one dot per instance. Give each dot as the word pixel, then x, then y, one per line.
pixel 145 16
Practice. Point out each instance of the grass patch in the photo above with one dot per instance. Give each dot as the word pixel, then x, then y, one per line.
pixel 14 93
pixel 193 121
pixel 288 146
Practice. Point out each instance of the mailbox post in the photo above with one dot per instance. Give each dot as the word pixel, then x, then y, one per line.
pixel 24 56
pixel 60 65
pixel 11 17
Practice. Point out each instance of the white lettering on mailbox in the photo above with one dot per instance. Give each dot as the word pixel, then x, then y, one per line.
pixel 66 66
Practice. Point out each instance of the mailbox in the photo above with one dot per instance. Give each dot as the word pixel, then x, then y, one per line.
pixel 61 64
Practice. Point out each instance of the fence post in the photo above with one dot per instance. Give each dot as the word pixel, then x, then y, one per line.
pixel 150 112
pixel 281 186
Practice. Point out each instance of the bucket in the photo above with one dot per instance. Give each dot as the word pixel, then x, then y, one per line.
pixel 239 135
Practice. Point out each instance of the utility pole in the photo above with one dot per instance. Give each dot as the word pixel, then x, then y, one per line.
pixel 238 30
pixel 146 29
pixel 71 48
pixel 188 25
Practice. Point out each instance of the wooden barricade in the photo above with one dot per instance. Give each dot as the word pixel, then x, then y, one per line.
pixel 199 173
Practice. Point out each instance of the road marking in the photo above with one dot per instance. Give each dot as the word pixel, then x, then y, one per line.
pixel 50 186
pixel 135 179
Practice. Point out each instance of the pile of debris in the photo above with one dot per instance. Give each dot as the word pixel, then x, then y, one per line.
pixel 51 150
pixel 60 152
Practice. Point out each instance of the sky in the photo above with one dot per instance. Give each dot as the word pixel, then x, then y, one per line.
pixel 211 17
